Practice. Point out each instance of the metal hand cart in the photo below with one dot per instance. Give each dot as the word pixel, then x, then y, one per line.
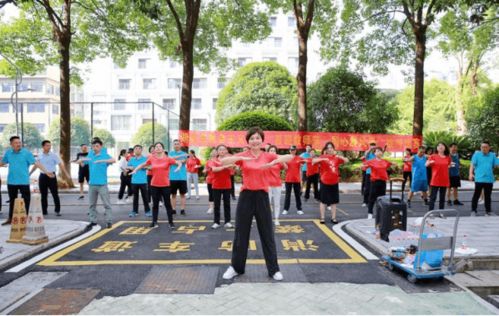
pixel 416 272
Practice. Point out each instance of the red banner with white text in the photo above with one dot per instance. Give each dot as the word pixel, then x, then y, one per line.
pixel 284 139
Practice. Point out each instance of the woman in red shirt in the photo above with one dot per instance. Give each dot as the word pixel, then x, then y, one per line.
pixel 275 185
pixel 379 176
pixel 407 170
pixel 160 183
pixel 440 164
pixel 193 164
pixel 293 181
pixel 209 178
pixel 221 185
pixel 329 164
pixel 254 202
pixel 312 174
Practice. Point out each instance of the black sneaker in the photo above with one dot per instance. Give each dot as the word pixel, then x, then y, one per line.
pixel 154 225
pixel 109 225
pixel 449 202
pixel 58 214
pixel 89 226
pixel 457 202
pixel 172 226
pixel 81 197
pixel 182 212
pixel 408 203
pixel 426 202
pixel 334 221
pixel 174 212
pixel 323 221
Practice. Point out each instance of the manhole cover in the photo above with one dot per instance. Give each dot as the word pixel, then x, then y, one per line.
pixel 57 302
pixel 185 280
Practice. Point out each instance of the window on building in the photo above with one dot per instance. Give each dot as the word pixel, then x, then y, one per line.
pixel 40 127
pixel 144 105
pixel 120 122
pixel 293 62
pixel 277 41
pixel 241 61
pixel 119 105
pixel 196 104
pixel 36 107
pixel 173 64
pixel 221 83
pixel 291 21
pixel 2 127
pixel 37 86
pixel 173 83
pixel 199 83
pixel 149 83
pixel 174 123
pixel 214 103
pixel 55 109
pixel 4 107
pixel 169 104
pixel 50 89
pixel 270 58
pixel 142 63
pixel 148 120
pixel 124 84
pixel 7 87
pixel 199 124
pixel 273 21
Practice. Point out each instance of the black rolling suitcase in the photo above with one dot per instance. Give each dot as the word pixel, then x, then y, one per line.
pixel 391 213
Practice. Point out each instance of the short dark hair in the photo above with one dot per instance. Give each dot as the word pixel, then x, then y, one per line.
pixel 176 140
pixel 83 145
pixel 272 146
pixel 422 147
pixel 372 144
pixel 453 144
pixel 486 142
pixel 96 140
pixel 255 130
pixel 139 146
pixel 13 138
pixel 45 142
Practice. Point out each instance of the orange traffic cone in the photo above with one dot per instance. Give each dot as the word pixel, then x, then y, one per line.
pixel 35 229
pixel 18 225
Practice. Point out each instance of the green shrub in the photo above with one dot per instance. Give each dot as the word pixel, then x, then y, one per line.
pixel 266 121
pixel 464 145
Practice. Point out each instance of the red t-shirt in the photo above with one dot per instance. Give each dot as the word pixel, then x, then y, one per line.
pixel 191 164
pixel 160 170
pixel 311 169
pixel 329 170
pixel 274 175
pixel 440 171
pixel 378 169
pixel 221 179
pixel 407 164
pixel 294 170
pixel 209 173
pixel 254 177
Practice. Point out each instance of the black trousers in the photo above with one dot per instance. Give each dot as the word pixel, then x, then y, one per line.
pixel 287 198
pixel 441 198
pixel 407 175
pixel 367 188
pixel 159 193
pixel 142 188
pixel 487 188
pixel 126 183
pixel 232 186
pixel 362 187
pixel 254 204
pixel 218 194
pixel 46 183
pixel 13 191
pixel 312 180
pixel 210 193
pixel 376 189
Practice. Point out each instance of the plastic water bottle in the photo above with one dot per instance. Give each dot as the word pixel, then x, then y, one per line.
pixel 464 244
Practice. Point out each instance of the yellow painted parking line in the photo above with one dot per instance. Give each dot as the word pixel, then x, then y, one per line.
pixel 54 259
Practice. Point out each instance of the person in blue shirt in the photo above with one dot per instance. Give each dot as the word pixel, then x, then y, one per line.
pixel 19 159
pixel 482 167
pixel 304 156
pixel 139 182
pixel 98 161
pixel 419 181
pixel 367 177
pixel 178 177
pixel 45 183
pixel 455 179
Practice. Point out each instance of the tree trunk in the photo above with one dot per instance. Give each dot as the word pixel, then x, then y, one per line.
pixel 301 79
pixel 417 124
pixel 187 77
pixel 65 118
pixel 461 122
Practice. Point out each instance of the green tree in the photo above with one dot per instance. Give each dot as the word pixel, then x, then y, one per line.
pixel 312 17
pixel 265 86
pixel 80 132
pixel 440 108
pixel 144 135
pixel 195 33
pixel 264 120
pixel 32 137
pixel 106 137
pixel 482 119
pixel 396 32
pixel 342 101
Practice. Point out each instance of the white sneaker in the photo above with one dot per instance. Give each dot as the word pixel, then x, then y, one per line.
pixel 277 222
pixel 128 200
pixel 284 212
pixel 300 212
pixel 121 202
pixel 329 208
pixel 369 216
pixel 278 276
pixel 209 211
pixel 160 203
pixel 228 225
pixel 364 204
pixel 481 202
pixel 230 273
pixel 215 226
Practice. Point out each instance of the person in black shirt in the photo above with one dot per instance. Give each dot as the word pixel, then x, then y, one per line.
pixel 83 171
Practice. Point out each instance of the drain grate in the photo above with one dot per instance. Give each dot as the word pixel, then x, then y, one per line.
pixel 184 280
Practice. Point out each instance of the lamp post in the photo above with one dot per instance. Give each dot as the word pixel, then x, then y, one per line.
pixel 17 111
pixel 18 81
